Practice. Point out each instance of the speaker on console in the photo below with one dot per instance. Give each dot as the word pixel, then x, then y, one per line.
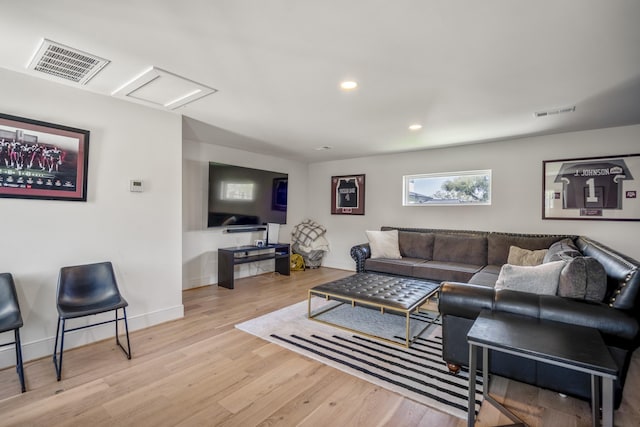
pixel 273 232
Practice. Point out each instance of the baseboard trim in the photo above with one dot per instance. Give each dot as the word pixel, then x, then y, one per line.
pixel 44 347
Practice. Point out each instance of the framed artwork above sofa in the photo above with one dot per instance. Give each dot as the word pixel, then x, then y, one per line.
pixel 595 188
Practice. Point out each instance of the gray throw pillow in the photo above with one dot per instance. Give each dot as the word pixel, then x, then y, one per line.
pixel 583 278
pixel 540 279
pixel 561 250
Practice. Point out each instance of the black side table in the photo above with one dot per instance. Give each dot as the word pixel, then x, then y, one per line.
pixel 556 343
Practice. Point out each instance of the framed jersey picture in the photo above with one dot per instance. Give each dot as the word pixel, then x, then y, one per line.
pixel 594 188
pixel 40 160
pixel 347 195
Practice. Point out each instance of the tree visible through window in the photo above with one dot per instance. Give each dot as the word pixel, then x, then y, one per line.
pixel 454 188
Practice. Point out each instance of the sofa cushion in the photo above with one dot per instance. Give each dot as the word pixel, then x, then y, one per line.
pixel 519 256
pixel 416 245
pixel 401 267
pixel 583 278
pixel 561 249
pixel 467 249
pixel 487 276
pixel 493 269
pixel 443 270
pixel 498 245
pixel 384 244
pixel 540 279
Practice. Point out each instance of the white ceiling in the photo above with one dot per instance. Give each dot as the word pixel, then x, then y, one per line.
pixel 468 71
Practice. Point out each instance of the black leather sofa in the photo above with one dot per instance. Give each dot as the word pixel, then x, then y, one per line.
pixel 468 271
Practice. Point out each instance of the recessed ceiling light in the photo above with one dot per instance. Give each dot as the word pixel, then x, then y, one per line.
pixel 415 126
pixel 348 85
pixel 323 148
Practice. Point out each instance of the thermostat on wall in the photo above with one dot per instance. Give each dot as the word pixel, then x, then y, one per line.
pixel 136 185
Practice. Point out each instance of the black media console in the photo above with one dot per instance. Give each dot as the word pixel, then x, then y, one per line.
pixel 230 257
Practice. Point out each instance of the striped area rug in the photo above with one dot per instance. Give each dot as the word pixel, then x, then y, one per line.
pixel 418 373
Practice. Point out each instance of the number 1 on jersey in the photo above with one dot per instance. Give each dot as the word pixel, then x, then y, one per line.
pixel 592 198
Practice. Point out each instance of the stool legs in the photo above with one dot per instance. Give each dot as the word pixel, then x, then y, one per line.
pixel 58 362
pixel 61 330
pixel 127 352
pixel 19 361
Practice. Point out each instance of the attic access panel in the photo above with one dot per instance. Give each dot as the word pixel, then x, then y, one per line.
pixel 162 88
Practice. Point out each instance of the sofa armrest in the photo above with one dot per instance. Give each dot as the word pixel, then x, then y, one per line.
pixel 360 253
pixel 617 326
pixel 464 299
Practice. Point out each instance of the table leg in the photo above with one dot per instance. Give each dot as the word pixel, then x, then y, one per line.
pixel 408 326
pixel 471 415
pixel 607 402
pixel 595 400
pixel 485 371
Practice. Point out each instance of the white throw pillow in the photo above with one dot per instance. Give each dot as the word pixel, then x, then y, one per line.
pixel 384 244
pixel 540 279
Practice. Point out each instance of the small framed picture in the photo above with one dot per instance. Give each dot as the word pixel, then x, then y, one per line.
pixel 347 195
pixel 593 188
pixel 40 160
pixel 279 194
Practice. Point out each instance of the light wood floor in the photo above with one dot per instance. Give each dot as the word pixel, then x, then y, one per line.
pixel 200 370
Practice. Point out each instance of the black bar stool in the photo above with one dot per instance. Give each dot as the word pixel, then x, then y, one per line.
pixel 11 319
pixel 85 290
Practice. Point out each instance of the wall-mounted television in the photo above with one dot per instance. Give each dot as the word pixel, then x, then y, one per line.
pixel 246 196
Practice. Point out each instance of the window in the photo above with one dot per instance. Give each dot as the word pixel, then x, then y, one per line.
pixel 449 188
pixel 237 191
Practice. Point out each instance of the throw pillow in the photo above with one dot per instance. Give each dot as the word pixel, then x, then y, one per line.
pixel 540 279
pixel 519 256
pixel 562 249
pixel 583 278
pixel 384 244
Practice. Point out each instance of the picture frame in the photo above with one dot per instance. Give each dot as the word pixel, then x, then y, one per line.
pixel 279 194
pixel 347 194
pixel 464 188
pixel 592 188
pixel 40 160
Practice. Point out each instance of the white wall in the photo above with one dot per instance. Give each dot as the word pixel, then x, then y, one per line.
pixel 200 244
pixel 517 190
pixel 138 232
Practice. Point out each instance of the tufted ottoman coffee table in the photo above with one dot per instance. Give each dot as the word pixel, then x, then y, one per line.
pixel 396 294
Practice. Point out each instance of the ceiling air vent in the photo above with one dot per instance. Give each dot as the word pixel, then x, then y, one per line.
pixel 555 111
pixel 66 63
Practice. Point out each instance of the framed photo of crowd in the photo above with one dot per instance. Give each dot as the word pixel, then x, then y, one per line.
pixel 593 188
pixel 347 195
pixel 40 160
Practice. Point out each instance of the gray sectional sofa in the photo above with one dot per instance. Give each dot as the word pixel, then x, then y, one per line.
pixel 598 287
